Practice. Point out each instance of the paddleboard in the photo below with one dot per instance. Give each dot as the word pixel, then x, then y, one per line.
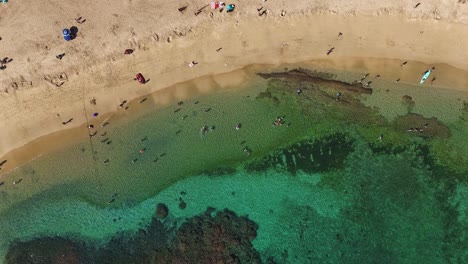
pixel 426 75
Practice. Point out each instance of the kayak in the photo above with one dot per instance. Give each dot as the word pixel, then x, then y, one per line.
pixel 426 75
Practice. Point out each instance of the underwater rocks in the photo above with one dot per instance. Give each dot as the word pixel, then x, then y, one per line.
pixel 421 126
pixel 53 250
pixel 464 116
pixel 408 101
pixel 222 238
pixel 268 96
pixel 318 78
pixel 162 211
pixel 308 156
pixel 211 237
pixel 219 171
pixel 182 203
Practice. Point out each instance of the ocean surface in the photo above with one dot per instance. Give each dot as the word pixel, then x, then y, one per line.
pixel 294 166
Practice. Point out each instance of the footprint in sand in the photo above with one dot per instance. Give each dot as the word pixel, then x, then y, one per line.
pixel 155 37
pixel 14 86
pixel 115 29
pixel 57 80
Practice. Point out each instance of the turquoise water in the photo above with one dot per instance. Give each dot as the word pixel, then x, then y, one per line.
pixel 321 188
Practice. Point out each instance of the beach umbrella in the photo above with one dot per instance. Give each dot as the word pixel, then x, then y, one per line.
pixel 66 34
pixel 95 114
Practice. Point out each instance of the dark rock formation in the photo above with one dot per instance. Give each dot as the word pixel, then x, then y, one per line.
pixel 309 156
pixel 224 238
pixel 162 211
pixel 421 126
pixel 182 203
pixel 212 237
pixel 321 79
pixel 47 250
pixel 408 102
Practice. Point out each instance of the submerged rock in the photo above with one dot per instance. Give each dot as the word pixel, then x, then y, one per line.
pixel 182 204
pixel 51 250
pixel 321 155
pixel 162 211
pixel 421 126
pixel 211 237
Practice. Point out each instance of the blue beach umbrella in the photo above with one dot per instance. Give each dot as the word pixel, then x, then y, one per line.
pixel 66 34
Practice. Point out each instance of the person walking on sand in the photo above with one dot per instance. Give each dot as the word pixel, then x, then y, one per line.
pixel 60 56
pixel 193 63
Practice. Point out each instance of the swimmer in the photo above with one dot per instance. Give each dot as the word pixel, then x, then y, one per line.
pixel 18 181
pixel 338 95
pixel 247 151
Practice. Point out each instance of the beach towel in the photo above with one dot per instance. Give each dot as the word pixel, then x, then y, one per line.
pixel 214 5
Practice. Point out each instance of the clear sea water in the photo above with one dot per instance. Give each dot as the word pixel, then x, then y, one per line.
pixel 321 187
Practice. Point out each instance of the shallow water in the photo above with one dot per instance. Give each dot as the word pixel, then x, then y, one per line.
pixel 321 187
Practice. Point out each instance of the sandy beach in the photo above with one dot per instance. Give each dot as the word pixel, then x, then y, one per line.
pixel 38 91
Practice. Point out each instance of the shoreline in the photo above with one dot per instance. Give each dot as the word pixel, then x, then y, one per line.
pixel 206 85
pixel 29 112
